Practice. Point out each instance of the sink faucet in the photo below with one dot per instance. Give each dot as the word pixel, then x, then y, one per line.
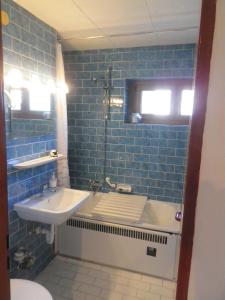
pixel 53 182
pixel 44 188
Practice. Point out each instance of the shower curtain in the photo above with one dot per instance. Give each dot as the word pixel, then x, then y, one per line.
pixel 61 120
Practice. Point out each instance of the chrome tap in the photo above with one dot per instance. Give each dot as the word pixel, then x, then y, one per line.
pixel 179 216
pixel 44 188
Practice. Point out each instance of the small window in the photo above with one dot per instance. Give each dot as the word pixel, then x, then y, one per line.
pixel 156 102
pixel 161 101
pixel 187 101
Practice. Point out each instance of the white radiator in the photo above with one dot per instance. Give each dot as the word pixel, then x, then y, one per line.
pixel 145 251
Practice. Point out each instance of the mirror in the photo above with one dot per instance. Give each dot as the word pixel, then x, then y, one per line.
pixel 29 106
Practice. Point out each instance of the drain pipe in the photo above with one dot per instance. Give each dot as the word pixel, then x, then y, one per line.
pixel 49 234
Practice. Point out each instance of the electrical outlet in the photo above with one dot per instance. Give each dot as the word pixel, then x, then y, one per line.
pixel 151 251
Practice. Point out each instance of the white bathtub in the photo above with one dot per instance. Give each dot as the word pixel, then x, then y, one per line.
pixel 138 236
pixel 156 215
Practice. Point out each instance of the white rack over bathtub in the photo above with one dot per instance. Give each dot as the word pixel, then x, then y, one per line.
pixel 120 206
pixel 139 246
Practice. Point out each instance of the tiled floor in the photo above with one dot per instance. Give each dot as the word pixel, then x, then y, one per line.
pixel 70 279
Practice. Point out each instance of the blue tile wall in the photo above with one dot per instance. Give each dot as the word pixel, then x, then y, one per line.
pixel 150 157
pixel 28 45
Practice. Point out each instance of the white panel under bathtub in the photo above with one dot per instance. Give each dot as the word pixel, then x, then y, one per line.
pixel 120 251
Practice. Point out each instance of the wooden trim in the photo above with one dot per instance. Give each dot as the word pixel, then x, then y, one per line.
pixel 149 84
pixel 174 120
pixel 4 279
pixel 195 145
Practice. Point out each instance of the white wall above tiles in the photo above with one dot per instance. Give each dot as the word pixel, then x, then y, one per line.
pixel 119 23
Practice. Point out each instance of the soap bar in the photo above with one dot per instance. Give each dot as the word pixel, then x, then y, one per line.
pixel 53 153
pixel 123 188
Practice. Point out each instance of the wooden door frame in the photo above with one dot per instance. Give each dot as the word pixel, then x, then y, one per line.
pixel 204 54
pixel 4 276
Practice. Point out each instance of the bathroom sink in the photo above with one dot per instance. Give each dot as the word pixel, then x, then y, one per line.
pixel 51 207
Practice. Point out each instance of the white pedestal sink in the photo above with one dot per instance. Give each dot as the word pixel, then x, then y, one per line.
pixel 52 207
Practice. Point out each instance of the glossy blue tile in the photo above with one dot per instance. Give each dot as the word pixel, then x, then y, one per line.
pixel 159 150
pixel 30 44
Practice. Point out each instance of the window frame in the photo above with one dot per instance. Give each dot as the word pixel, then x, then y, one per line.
pixel 135 88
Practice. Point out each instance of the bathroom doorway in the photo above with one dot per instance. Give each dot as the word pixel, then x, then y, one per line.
pixel 204 54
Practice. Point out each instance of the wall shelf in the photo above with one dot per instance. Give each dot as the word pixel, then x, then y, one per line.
pixel 36 162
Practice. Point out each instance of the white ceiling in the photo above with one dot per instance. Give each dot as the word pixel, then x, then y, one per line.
pixel 96 24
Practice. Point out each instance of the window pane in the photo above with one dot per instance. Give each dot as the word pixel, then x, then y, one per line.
pixel 16 99
pixel 187 100
pixel 40 100
pixel 156 102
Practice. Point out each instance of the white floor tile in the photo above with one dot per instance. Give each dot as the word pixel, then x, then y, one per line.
pixel 138 284
pixel 152 280
pixel 104 284
pixel 90 289
pixel 126 290
pixel 147 296
pixel 169 284
pixel 162 291
pixel 71 279
pixel 110 295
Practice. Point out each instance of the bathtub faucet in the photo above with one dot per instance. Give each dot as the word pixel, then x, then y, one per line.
pixel 120 187
pixel 108 181
pixel 95 185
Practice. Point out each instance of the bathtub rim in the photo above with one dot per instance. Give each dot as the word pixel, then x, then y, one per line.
pixel 147 226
